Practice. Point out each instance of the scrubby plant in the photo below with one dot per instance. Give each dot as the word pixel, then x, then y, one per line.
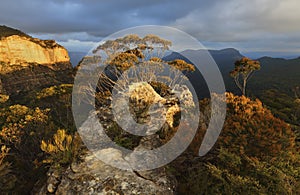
pixel 229 173
pixel 21 130
pixel 3 98
pixel 58 98
pixel 7 179
pixel 255 154
pixel 252 129
pixel 19 123
pixel 55 90
pixel 62 149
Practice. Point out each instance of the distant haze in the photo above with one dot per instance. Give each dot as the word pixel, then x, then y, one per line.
pixel 259 54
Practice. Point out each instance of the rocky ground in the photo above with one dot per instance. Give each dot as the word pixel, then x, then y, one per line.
pixel 92 176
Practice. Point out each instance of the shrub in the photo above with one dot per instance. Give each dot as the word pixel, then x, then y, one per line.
pixel 62 149
pixel 7 179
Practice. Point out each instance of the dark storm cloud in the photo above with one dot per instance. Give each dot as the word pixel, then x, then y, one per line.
pixel 98 17
pixel 266 24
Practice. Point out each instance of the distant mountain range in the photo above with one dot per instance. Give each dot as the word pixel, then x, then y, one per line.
pixel 273 54
pixel 276 73
pixel 279 73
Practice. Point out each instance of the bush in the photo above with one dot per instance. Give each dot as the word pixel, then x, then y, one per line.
pixel 7 179
pixel 62 149
pixel 255 154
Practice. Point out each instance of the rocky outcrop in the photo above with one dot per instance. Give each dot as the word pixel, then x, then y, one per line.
pixel 28 63
pixel 92 176
pixel 17 50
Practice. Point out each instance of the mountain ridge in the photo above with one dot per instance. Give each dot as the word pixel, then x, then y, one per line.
pixel 273 71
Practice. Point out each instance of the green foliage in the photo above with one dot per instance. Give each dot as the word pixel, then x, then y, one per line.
pixel 21 129
pixel 19 123
pixel 229 173
pixel 121 137
pixel 58 99
pixel 285 107
pixel 276 74
pixel 143 56
pixel 255 154
pixel 282 105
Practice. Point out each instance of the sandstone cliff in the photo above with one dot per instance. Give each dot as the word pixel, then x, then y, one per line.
pixel 28 63
pixel 17 50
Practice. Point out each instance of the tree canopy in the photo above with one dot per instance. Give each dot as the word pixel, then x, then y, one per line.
pixel 242 72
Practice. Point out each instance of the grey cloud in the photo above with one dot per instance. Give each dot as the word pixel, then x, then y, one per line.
pixel 242 24
pixel 236 20
pixel 96 17
pixel 80 36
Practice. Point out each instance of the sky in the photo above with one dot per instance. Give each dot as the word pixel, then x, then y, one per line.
pixel 256 26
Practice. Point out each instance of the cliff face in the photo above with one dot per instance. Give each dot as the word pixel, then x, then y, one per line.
pixel 22 51
pixel 28 63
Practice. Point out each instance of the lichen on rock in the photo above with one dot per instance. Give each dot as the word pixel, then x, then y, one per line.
pixel 92 176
